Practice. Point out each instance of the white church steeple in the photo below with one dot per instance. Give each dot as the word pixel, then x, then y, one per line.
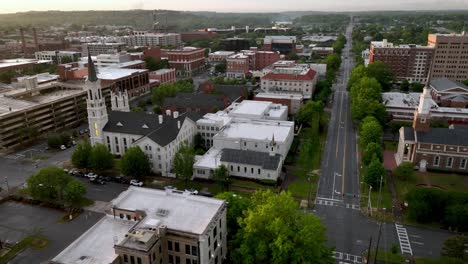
pixel 119 101
pixel 422 116
pixel 96 105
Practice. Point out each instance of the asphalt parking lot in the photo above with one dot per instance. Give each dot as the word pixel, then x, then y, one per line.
pixel 23 219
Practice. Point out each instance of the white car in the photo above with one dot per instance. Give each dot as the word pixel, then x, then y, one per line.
pixel 136 183
pixel 91 175
pixel 62 147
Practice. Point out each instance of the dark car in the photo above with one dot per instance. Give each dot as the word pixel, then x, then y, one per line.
pixel 206 194
pixel 106 178
pixel 97 181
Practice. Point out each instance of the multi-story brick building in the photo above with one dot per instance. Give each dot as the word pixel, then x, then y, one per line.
pixel 97 48
pixel 450 57
pixel 299 79
pixel 57 56
pixel 146 226
pixel 163 76
pixel 432 148
pixel 219 56
pixel 447 93
pixel 407 62
pixel 237 66
pixel 265 58
pixel 187 61
pixel 292 101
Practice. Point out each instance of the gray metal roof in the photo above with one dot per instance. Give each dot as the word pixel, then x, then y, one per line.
pixel 251 158
pixel 409 133
pixel 445 136
pixel 446 84
pixel 143 124
pixel 192 100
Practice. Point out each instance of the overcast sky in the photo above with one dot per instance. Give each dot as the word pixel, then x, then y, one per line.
pixel 11 6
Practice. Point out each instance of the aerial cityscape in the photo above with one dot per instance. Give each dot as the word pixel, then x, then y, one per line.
pixel 217 132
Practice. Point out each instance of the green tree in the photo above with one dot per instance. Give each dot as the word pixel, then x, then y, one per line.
pixel 236 205
pixel 416 87
pixel 221 176
pixel 100 158
pixel 333 62
pixel 456 216
pixel 183 162
pixel 405 171
pixel 292 56
pixel 48 184
pixel 405 85
pixel 135 163
pixel 151 63
pixel 372 149
pixel 374 172
pixel 73 193
pixel 54 141
pixel 157 110
pixel 273 230
pixel 170 90
pixel 6 77
pixel 465 82
pixel 366 99
pixel 371 131
pixel 81 155
pixel 221 67
pixel 137 109
pixel 66 59
pixel 382 73
pixel 311 109
pixel 456 247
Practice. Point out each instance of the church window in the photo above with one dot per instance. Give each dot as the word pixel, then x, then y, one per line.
pixel 449 162
pixel 436 160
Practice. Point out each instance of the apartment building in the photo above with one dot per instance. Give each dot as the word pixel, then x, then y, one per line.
pixel 187 61
pixel 153 39
pixel 237 66
pixel 299 79
pixel 219 56
pixel 451 56
pixel 407 62
pixel 97 48
pixel 283 44
pixel 146 226
pixel 163 76
pixel 57 56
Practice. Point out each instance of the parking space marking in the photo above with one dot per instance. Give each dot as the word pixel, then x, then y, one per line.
pixel 334 202
pixel 341 257
pixel 403 238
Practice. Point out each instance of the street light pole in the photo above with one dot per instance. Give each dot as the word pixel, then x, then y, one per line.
pixel 369 204
pixel 310 191
pixel 380 192
pixel 6 181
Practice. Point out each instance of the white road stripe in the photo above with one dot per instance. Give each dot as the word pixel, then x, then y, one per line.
pixel 403 238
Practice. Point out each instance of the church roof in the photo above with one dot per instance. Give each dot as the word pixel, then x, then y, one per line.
pixel 92 76
pixel 456 136
pixel 250 157
pixel 444 84
pixel 142 124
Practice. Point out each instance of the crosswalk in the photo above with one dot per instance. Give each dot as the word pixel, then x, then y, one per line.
pixel 337 203
pixel 403 238
pixel 343 258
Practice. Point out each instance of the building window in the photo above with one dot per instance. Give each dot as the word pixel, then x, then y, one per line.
pixel 177 260
pixel 187 249
pixel 169 245
pixel 125 258
pixel 132 259
pixel 138 260
pixel 171 259
pixel 463 164
pixel 176 246
pixel 449 162
pixel 436 160
pixel 245 169
pixel 209 241
pixel 259 171
pixel 194 251
pixel 238 168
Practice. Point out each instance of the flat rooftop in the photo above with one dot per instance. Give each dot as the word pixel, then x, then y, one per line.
pixel 250 107
pixel 223 53
pixel 161 71
pixel 111 73
pixel 187 213
pixel 280 96
pixel 211 159
pixel 257 130
pixel 403 100
pixel 18 62
pixel 219 117
pixel 96 246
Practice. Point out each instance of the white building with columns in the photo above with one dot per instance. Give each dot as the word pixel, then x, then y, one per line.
pixel 159 136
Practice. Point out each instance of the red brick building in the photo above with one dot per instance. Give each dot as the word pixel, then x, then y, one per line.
pixel 407 62
pixel 163 76
pixel 153 52
pixel 265 58
pixel 292 101
pixel 237 66
pixel 187 61
pixel 448 93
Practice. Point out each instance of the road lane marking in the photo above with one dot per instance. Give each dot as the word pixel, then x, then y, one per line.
pixel 346 257
pixel 334 203
pixel 403 238
pixel 338 134
pixel 344 157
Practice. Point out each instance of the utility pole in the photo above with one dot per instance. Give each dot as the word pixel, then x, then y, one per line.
pixel 380 192
pixel 310 190
pixel 369 204
pixel 6 181
pixel 377 245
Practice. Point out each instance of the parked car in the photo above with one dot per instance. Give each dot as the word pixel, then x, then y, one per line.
pixel 97 181
pixel 62 147
pixel 136 183
pixel 105 178
pixel 207 194
pixel 91 175
pixel 192 191
pixel 169 187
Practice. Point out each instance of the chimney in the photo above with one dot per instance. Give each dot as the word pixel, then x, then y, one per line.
pixel 23 40
pixel 178 124
pixel 160 117
pixel 168 112
pixel 36 42
pixel 176 114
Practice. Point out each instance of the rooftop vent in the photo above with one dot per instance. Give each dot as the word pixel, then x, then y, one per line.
pixel 144 126
pixel 119 124
pixel 162 212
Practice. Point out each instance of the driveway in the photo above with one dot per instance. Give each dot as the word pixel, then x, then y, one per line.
pixel 23 219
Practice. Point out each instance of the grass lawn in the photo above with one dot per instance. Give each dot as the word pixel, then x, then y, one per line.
pixel 390 145
pixel 32 241
pixel 387 257
pixel 449 181
pixel 299 188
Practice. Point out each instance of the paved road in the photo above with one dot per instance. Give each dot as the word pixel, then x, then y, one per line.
pixel 337 200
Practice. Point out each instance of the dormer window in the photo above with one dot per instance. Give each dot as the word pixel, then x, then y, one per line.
pixel 119 124
pixel 144 126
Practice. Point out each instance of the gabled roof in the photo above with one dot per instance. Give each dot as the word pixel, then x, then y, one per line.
pixel 445 84
pixel 142 124
pixel 249 157
pixel 233 92
pixel 408 133
pixel 458 136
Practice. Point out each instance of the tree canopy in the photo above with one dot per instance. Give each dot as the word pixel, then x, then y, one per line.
pixel 183 162
pixel 273 230
pixel 100 158
pixel 370 150
pixel 366 99
pixel 370 132
pixel 236 205
pixel 373 172
pixel 221 176
pixel 134 163
pixel 81 155
pixel 404 171
pixel 170 90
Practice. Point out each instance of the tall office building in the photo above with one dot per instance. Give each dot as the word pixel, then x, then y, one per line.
pixel 451 56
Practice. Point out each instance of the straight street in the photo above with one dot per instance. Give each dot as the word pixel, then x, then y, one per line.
pixel 337 199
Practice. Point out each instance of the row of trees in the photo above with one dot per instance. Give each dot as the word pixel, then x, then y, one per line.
pixel 268 228
pixel 153 65
pixel 95 157
pixel 431 205
pixel 370 134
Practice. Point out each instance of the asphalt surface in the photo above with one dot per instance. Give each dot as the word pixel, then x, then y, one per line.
pixel 24 219
pixel 337 199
